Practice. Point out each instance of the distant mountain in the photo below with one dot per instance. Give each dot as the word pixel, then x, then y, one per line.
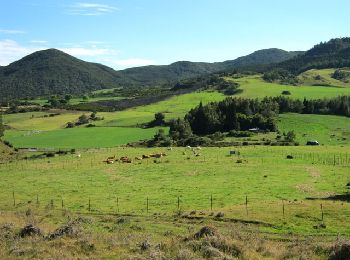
pixel 151 75
pixel 54 72
pixel 332 54
pixel 51 71
pixel 262 57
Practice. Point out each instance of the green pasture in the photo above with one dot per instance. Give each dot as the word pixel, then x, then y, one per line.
pixel 77 100
pixel 316 175
pixel 327 130
pixel 40 120
pixel 255 87
pixel 322 77
pixel 78 137
pixel 44 132
pixel 174 107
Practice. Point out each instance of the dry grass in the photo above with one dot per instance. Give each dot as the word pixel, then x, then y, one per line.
pixel 167 237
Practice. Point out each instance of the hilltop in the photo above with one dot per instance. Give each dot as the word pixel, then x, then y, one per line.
pixel 332 54
pixel 151 75
pixel 54 72
pixel 51 71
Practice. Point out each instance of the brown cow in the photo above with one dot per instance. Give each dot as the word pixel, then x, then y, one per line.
pixel 125 159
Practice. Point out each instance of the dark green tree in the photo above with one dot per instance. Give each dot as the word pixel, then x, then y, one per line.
pixel 159 119
pixel 2 128
pixel 290 136
pixel 180 129
pixel 83 119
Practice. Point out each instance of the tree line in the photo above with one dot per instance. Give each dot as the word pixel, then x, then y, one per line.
pixel 205 123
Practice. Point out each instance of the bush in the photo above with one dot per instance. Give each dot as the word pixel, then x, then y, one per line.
pixel 234 133
pixel 286 92
pixel 70 125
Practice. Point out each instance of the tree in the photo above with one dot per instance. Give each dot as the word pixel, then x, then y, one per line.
pixel 290 136
pixel 83 119
pixel 70 125
pixel 2 128
pixel 159 119
pixel 68 97
pixel 180 129
pixel 160 139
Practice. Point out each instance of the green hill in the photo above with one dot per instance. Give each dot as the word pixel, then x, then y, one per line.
pixel 332 54
pixel 54 72
pixel 153 75
pixel 51 71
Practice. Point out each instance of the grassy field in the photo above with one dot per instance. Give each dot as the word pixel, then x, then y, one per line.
pixel 34 129
pixel 78 137
pixel 76 100
pixel 327 130
pixel 266 177
pixel 322 77
pixel 117 129
pixel 255 87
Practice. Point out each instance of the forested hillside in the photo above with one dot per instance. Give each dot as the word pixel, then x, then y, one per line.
pixel 51 72
pixel 332 54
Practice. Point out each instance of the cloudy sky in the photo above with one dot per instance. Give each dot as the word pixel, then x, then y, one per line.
pixel 128 33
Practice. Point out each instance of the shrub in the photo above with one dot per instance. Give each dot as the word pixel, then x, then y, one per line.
pixel 286 92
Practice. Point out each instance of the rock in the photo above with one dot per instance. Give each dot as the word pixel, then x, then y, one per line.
pixel 66 230
pixel 205 231
pixel 30 230
pixel 341 252
pixel 145 245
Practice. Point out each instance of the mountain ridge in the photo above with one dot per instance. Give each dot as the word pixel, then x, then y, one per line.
pixel 51 71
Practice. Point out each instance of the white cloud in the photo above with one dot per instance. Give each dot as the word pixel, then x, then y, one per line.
pixel 91 9
pixel 5 31
pixel 11 51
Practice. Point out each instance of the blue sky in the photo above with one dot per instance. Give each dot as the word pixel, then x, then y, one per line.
pixel 129 33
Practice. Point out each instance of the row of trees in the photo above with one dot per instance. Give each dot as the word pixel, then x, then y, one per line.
pixel 236 115
pixel 334 106
pixel 233 114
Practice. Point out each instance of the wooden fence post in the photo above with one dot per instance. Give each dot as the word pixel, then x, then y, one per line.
pixel 178 203
pixel 147 204
pixel 89 205
pixel 321 212
pixel 14 199
pixel 246 204
pixel 211 202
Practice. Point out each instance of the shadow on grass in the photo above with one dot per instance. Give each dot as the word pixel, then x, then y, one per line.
pixel 338 197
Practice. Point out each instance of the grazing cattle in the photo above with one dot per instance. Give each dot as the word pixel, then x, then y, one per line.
pixel 198 154
pixel 145 156
pixel 109 161
pixel 169 148
pixel 138 158
pixel 111 158
pixel 188 147
pixel 78 155
pixel 125 159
